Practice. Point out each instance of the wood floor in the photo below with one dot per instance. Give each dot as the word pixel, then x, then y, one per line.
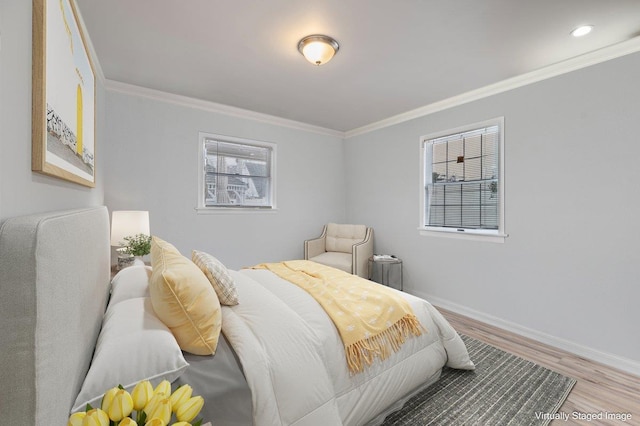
pixel 599 388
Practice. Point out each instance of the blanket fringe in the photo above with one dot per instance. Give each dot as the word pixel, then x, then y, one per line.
pixel 366 350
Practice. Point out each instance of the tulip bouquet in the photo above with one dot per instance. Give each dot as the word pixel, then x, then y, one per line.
pixel 153 407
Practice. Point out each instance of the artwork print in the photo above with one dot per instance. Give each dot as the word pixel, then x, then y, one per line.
pixel 63 128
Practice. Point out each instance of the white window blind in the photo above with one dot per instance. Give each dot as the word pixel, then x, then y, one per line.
pixel 237 174
pixel 462 180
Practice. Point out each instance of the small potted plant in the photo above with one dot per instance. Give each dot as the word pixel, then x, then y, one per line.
pixel 138 245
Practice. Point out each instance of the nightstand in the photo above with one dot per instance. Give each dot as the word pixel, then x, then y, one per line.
pixel 386 270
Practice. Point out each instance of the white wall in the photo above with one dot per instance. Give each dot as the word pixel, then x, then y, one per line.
pixel 21 190
pixel 152 156
pixel 570 266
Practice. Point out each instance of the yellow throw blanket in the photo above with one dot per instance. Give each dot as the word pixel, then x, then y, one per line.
pixel 371 318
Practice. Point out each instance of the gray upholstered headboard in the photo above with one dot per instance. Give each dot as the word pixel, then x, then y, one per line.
pixel 54 279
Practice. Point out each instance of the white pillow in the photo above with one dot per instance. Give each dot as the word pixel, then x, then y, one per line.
pixel 133 345
pixel 129 283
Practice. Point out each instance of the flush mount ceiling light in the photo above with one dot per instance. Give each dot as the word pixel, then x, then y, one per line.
pixel 318 49
pixel 582 30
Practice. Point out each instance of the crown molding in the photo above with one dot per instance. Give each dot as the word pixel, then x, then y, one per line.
pixel 185 101
pixel 573 64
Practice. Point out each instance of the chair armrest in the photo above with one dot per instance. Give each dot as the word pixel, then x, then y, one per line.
pixel 316 246
pixel 361 253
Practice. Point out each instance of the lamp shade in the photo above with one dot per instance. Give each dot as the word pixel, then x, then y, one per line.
pixel 127 223
pixel 318 49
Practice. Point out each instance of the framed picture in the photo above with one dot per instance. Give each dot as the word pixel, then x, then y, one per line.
pixel 63 111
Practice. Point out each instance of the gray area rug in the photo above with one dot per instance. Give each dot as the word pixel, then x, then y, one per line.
pixel 503 390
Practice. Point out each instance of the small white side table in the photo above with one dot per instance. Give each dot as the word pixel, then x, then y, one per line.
pixel 386 271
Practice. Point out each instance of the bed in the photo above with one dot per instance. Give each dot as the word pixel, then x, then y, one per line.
pixel 278 360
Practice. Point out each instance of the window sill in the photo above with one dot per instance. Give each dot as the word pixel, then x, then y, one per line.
pixel 468 234
pixel 236 210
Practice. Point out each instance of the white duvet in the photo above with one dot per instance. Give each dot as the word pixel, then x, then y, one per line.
pixel 294 361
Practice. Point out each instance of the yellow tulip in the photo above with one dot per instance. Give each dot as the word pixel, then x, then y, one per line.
pixel 180 395
pixel 76 419
pixel 162 411
pixel 127 421
pixel 96 417
pixel 121 406
pixel 155 422
pixel 141 394
pixel 153 403
pixel 163 387
pixel 107 398
pixel 189 409
pixel 181 424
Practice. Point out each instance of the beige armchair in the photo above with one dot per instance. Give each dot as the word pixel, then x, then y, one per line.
pixel 346 247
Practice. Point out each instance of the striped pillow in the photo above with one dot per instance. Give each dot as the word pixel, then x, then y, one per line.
pixel 218 276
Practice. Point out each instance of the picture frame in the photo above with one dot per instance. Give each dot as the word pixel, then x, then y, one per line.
pixel 64 95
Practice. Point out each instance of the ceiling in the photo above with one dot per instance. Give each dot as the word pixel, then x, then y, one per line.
pixel 395 55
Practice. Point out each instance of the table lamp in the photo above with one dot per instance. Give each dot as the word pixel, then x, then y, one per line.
pixel 127 223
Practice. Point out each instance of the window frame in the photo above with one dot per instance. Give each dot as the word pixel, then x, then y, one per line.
pixel 489 235
pixel 202 208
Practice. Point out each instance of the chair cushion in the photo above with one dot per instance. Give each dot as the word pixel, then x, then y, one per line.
pixel 341 238
pixel 335 259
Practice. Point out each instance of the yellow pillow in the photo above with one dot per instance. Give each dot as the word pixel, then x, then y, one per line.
pixel 184 300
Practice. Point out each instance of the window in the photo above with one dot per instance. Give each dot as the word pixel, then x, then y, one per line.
pixel 236 173
pixel 463 182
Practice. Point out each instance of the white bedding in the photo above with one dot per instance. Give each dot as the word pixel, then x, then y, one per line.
pixel 294 361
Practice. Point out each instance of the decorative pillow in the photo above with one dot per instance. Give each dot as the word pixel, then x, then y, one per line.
pixel 218 276
pixel 184 299
pixel 129 283
pixel 134 345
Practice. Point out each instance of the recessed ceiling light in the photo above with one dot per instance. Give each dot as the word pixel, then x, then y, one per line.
pixel 582 30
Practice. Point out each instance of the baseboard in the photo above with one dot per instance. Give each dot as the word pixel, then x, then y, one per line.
pixel 611 360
